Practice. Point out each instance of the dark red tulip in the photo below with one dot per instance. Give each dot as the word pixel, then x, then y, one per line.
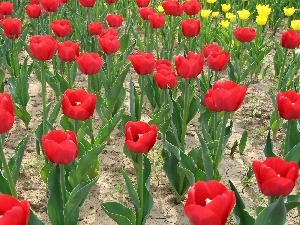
pixel 163 64
pixel 165 78
pixel 290 39
pixel 42 47
pixel 140 136
pixel 225 96
pixel 7 116
pixel 60 147
pixel 190 27
pixel 244 34
pixel 89 63
pixel 109 43
pixel 109 32
pixel 275 177
pixel 13 211
pixel 192 7
pixel 209 203
pixel 189 67
pixel 68 51
pixel 156 20
pixel 78 104
pixel 288 104
pixel 114 20
pixel 87 3
pixel 50 5
pixel 143 62
pixel 142 3
pixel 12 27
pixel 34 2
pixel 95 28
pixel 172 7
pixel 217 61
pixel 111 1
pixel 33 11
pixel 207 49
pixel 145 12
pixel 6 8
pixel 61 28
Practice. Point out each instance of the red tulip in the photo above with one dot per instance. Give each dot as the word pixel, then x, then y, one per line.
pixel 142 3
pixel 42 47
pixel 114 20
pixel 33 11
pixel 244 34
pixel 140 136
pixel 192 7
pixel 190 27
pixel 7 116
pixel 207 49
pixel 109 32
pixel 6 8
pixel 13 211
pixel 109 43
pixel 290 39
pixel 34 2
pixel 68 51
pixel 111 1
pixel 172 7
pixel 189 67
pixel 288 104
pixel 165 78
pixel 60 147
pixel 156 20
pixel 209 203
pixel 145 12
pixel 89 63
pixel 275 177
pixel 50 5
pixel 163 64
pixel 78 104
pixel 143 62
pixel 87 3
pixel 225 96
pixel 12 27
pixel 61 28
pixel 217 61
pixel 95 28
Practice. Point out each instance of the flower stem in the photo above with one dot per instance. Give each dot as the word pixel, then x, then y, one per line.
pixel 142 96
pixel 185 110
pixel 6 169
pixel 287 138
pixel 63 189
pixel 282 70
pixel 156 39
pixel 140 188
pixel 70 81
pixel 214 131
pixel 43 80
pixel 178 196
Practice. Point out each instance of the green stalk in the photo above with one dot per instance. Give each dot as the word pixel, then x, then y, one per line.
pixel 90 81
pixel 6 169
pixel 43 80
pixel 271 199
pixel 241 63
pixel 70 81
pixel 165 102
pixel 190 43
pixel 215 117
pixel 282 69
pixel 178 196
pixel 109 69
pixel 287 138
pixel 63 189
pixel 170 39
pixel 156 39
pixel 15 58
pixel 142 96
pixel 140 188
pixel 185 110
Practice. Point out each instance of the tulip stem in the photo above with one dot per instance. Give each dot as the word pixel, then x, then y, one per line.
pixel 282 70
pixel 109 70
pixel 156 39
pixel 43 80
pixel 142 83
pixel 6 168
pixel 178 196
pixel 140 188
pixel 70 81
pixel 15 58
pixel 170 38
pixel 214 131
pixel 185 110
pixel 287 138
pixel 63 189
pixel 90 81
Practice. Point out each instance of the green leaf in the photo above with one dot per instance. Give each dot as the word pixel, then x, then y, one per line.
pixel 131 191
pixel 207 160
pixel 148 199
pixel 4 187
pixel 293 154
pixel 268 150
pixel 292 201
pixel 275 213
pixel 231 72
pixel 243 141
pixel 119 213
pixel 193 109
pixel 34 220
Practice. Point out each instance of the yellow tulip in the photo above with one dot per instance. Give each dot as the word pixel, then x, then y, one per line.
pixel 211 1
pixel 261 20
pixel 215 14
pixel 289 11
pixel 231 17
pixel 160 9
pixel 295 25
pixel 263 10
pixel 205 13
pixel 243 14
pixel 226 7
pixel 225 23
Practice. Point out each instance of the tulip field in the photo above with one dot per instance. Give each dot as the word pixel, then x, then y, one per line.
pixel 149 112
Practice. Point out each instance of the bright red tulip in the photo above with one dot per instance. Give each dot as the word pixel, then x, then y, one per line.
pixel 275 177
pixel 114 20
pixel 156 20
pixel 78 104
pixel 7 116
pixel 61 28
pixel 34 2
pixel 172 7
pixel 142 3
pixel 192 7
pixel 189 67
pixel 13 211
pixel 163 64
pixel 12 27
pixel 109 32
pixel 225 96
pixel 95 28
pixel 140 136
pixel 209 203
pixel 145 12
pixel 244 34
pixel 89 63
pixel 42 47
pixel 288 104
pixel 6 8
pixel 87 3
pixel 33 11
pixel 109 43
pixel 217 61
pixel 165 78
pixel 60 147
pixel 50 5
pixel 207 49
pixel 190 27
pixel 290 39
pixel 68 51
pixel 143 62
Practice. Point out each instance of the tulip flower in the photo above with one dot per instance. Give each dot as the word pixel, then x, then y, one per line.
pixel 172 8
pixel 145 12
pixel 289 11
pixel 68 51
pixel 12 27
pixel 60 147
pixel 156 20
pixel 114 20
pixel 95 28
pixel 215 14
pixel 290 39
pixel 192 7
pixel 225 7
pixel 142 3
pixel 142 62
pixel 261 20
pixel 34 2
pixel 6 8
pixel 209 203
pixel 218 60
pixel 244 34
pixel 275 177
pixel 89 63
pixel 288 104
pixel 225 23
pixel 111 1
pixel 189 67
pixel 33 11
pixel 163 64
pixel 13 211
pixel 295 25
pixel 165 78
pixel 108 43
pixel 205 13
pixel 263 10
pixel 61 28
pixel 50 5
pixel 42 47
pixel 7 116
pixel 243 14
pixel 207 49
pixel 190 27
pixel 87 3
pixel 211 1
